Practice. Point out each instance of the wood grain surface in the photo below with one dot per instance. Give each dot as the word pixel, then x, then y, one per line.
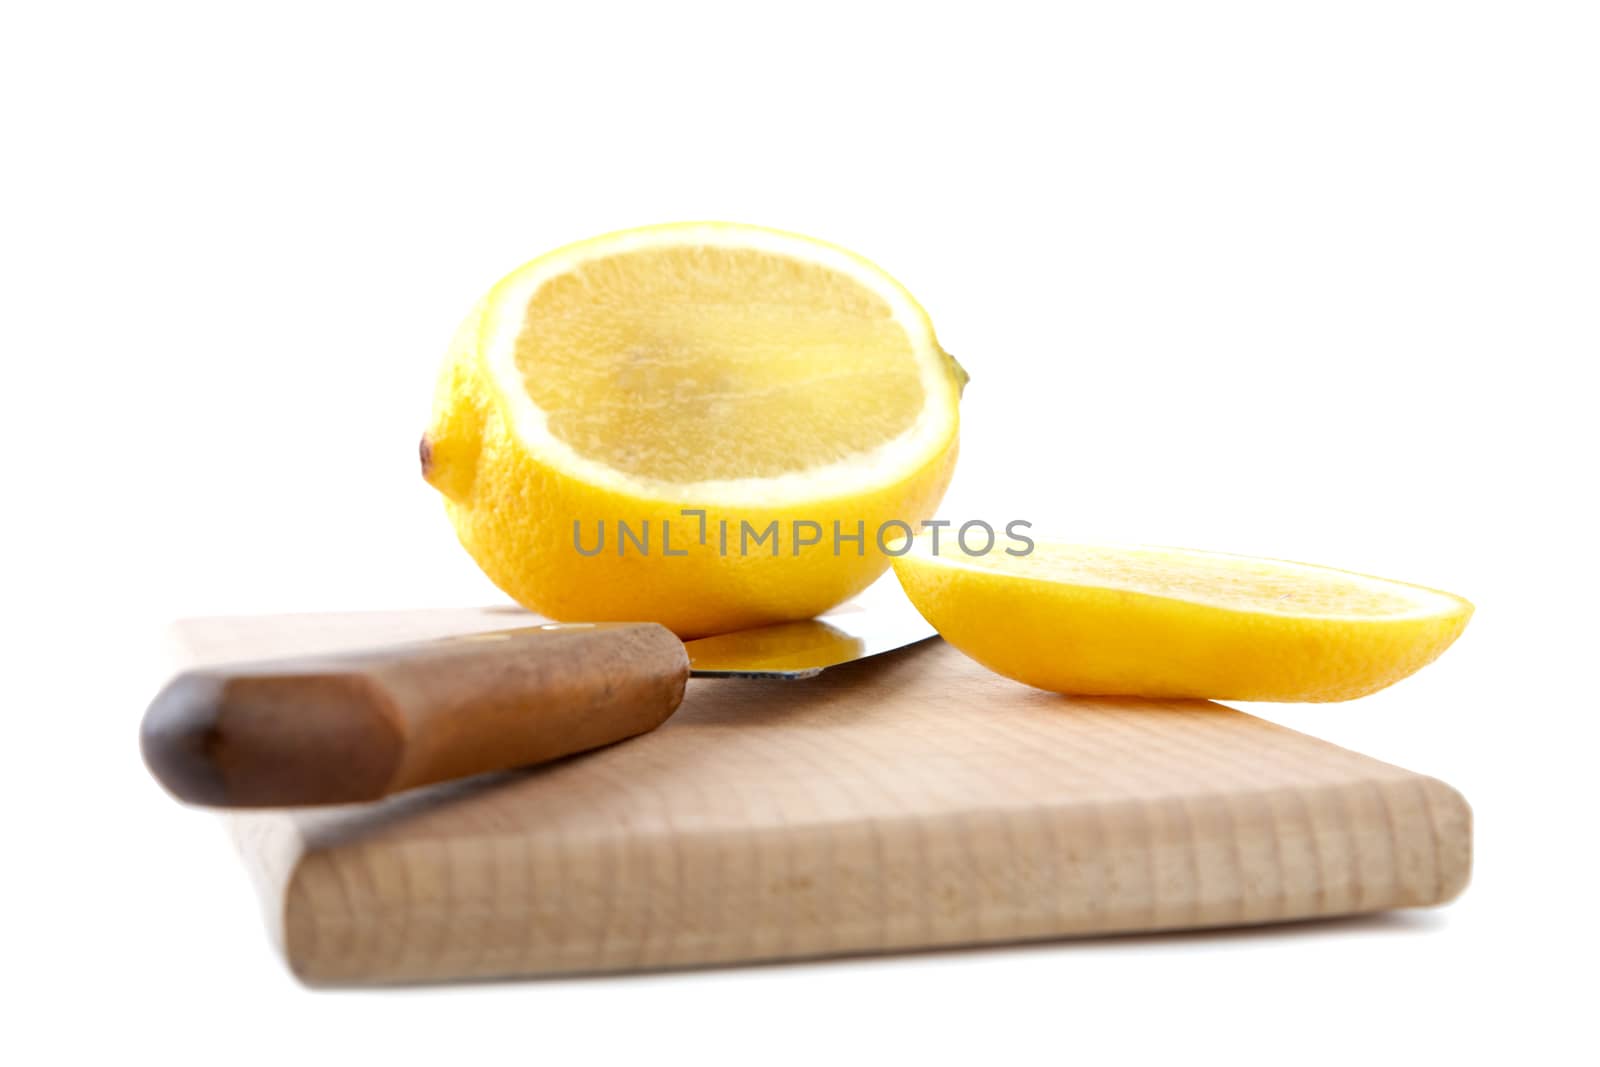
pixel 911 801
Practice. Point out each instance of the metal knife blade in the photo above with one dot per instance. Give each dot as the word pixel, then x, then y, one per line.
pixel 807 648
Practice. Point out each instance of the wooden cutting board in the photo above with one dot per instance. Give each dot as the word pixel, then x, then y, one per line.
pixel 910 801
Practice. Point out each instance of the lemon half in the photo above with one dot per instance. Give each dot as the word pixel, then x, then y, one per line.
pixel 751 375
pixel 1170 622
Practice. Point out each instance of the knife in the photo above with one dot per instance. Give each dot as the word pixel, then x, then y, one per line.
pixel 358 726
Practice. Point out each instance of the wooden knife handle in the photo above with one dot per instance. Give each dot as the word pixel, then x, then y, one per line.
pixel 360 725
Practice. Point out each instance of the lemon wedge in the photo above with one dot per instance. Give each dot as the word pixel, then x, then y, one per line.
pixel 1172 622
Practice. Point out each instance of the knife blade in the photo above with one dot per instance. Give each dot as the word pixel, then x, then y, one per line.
pixel 360 725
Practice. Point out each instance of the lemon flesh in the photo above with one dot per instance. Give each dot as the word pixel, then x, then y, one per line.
pixel 685 364
pixel 755 376
pixel 1164 622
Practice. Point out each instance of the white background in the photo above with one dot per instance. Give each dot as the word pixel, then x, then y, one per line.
pixel 1311 281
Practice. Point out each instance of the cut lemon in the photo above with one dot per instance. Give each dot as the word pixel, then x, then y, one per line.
pixel 689 381
pixel 1171 622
